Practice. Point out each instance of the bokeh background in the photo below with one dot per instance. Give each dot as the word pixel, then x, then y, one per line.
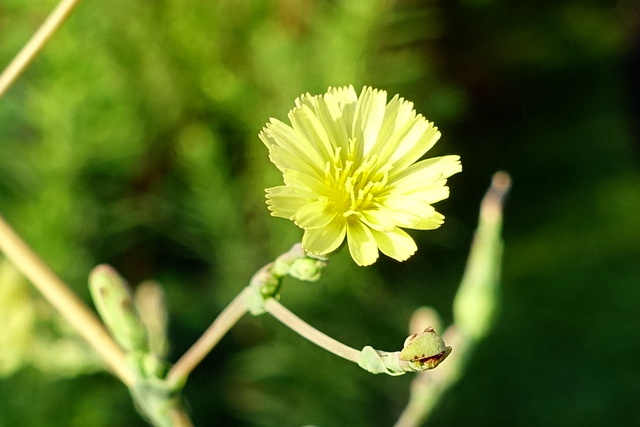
pixel 132 140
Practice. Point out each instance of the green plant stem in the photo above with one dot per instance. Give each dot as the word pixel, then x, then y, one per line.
pixel 64 301
pixel 180 418
pixel 55 19
pixel 280 312
pixel 214 333
pixel 478 286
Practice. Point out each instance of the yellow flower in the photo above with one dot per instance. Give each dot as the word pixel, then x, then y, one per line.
pixel 349 168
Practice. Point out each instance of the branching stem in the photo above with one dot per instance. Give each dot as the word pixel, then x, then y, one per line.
pixel 199 350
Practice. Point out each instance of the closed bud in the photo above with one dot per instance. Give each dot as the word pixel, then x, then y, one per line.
pixel 149 299
pixel 425 349
pixel 307 269
pixel 113 300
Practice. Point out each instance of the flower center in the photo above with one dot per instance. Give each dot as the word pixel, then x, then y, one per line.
pixel 355 181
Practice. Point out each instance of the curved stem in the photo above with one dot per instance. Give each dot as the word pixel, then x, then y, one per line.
pixel 36 43
pixel 283 314
pixel 199 350
pixel 64 301
pixel 180 418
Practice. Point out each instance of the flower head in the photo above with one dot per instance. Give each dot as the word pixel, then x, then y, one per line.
pixel 350 167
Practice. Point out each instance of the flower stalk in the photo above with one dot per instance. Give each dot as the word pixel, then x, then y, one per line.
pixel 280 312
pixel 421 352
pixel 178 374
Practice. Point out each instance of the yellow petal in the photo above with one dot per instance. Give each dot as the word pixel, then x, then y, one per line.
pixel 278 133
pixel 285 159
pixel 368 118
pixel 395 244
pixel 397 114
pixel 284 202
pixel 410 141
pixel 362 245
pixel 408 204
pixel 315 214
pixel 328 109
pixel 321 241
pixel 429 195
pixel 306 124
pixel 428 170
pixel 420 138
pixel 430 223
pixel 380 219
pixel 428 219
pixel 309 186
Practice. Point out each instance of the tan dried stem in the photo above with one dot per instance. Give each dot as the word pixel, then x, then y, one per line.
pixel 72 308
pixel 36 43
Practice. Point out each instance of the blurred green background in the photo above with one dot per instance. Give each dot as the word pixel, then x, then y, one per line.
pixel 132 140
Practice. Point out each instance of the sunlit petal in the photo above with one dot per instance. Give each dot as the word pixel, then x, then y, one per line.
pixel 369 117
pixel 326 239
pixel 429 170
pixel 284 202
pixel 395 244
pixel 315 214
pixel 362 245
pixel 279 134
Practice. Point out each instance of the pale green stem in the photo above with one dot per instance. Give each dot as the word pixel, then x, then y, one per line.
pixel 428 387
pixel 280 312
pixel 180 418
pixel 65 301
pixel 199 350
pixel 424 396
pixel 36 43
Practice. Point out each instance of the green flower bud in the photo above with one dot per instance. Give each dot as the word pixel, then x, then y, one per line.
pixel 113 300
pixel 270 286
pixel 307 269
pixel 427 349
pixel 264 284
